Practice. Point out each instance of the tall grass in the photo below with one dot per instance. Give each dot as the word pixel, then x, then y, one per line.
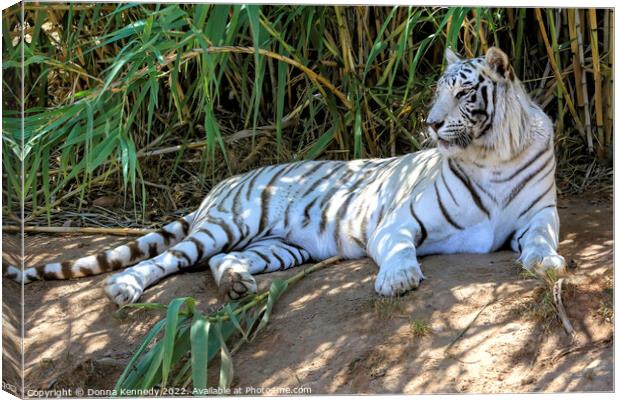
pixel 138 98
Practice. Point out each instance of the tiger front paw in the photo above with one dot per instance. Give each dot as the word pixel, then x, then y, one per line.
pixel 398 279
pixel 236 284
pixel 123 288
pixel 15 274
pixel 540 261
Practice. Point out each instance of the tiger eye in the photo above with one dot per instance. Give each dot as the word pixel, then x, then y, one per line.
pixel 461 93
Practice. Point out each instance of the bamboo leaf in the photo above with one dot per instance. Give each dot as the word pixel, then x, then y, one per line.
pixel 200 351
pixel 172 319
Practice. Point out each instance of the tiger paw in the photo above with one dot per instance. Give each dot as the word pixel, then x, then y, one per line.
pixel 123 288
pixel 236 284
pixel 14 273
pixel 540 261
pixel 396 280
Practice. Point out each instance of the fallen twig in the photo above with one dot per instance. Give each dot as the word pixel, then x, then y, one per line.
pixel 67 229
pixel 557 299
pixel 460 335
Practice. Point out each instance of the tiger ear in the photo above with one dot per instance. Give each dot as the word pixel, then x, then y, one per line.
pixel 498 61
pixel 451 56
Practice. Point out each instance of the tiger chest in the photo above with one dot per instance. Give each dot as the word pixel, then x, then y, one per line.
pixel 478 238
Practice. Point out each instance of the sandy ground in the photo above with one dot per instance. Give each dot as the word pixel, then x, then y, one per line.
pixel 332 334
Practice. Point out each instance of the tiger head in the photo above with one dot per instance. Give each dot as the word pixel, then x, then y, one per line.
pixel 481 110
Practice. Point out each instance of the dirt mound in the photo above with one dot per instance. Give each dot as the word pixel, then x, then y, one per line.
pixel 475 325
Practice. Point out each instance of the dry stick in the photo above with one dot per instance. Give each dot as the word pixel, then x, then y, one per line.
pixel 557 299
pixel 62 229
pixel 584 83
pixel 598 88
pixel 556 71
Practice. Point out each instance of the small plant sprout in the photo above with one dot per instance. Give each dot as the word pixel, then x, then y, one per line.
pixel 419 327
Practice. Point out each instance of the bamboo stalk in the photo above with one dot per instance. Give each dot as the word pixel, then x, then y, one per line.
pixel 555 32
pixel 510 12
pixel 519 44
pixel 584 83
pixel 313 268
pixel 481 34
pixel 556 71
pixel 88 230
pixel 362 51
pixel 610 80
pixel 574 47
pixel 467 38
pixel 598 88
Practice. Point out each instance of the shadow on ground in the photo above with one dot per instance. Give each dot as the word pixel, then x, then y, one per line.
pixel 469 328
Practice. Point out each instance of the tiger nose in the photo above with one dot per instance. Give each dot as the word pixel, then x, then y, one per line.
pixel 434 124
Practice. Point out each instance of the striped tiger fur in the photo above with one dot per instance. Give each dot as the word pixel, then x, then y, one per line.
pixel 489 181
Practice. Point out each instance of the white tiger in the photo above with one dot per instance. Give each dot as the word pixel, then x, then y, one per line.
pixel 490 180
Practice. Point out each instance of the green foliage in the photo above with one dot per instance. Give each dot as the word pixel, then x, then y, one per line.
pixel 178 350
pixel 182 345
pixel 107 84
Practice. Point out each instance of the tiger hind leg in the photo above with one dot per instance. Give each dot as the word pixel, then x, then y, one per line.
pixel 147 246
pixel 203 242
pixel 233 271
